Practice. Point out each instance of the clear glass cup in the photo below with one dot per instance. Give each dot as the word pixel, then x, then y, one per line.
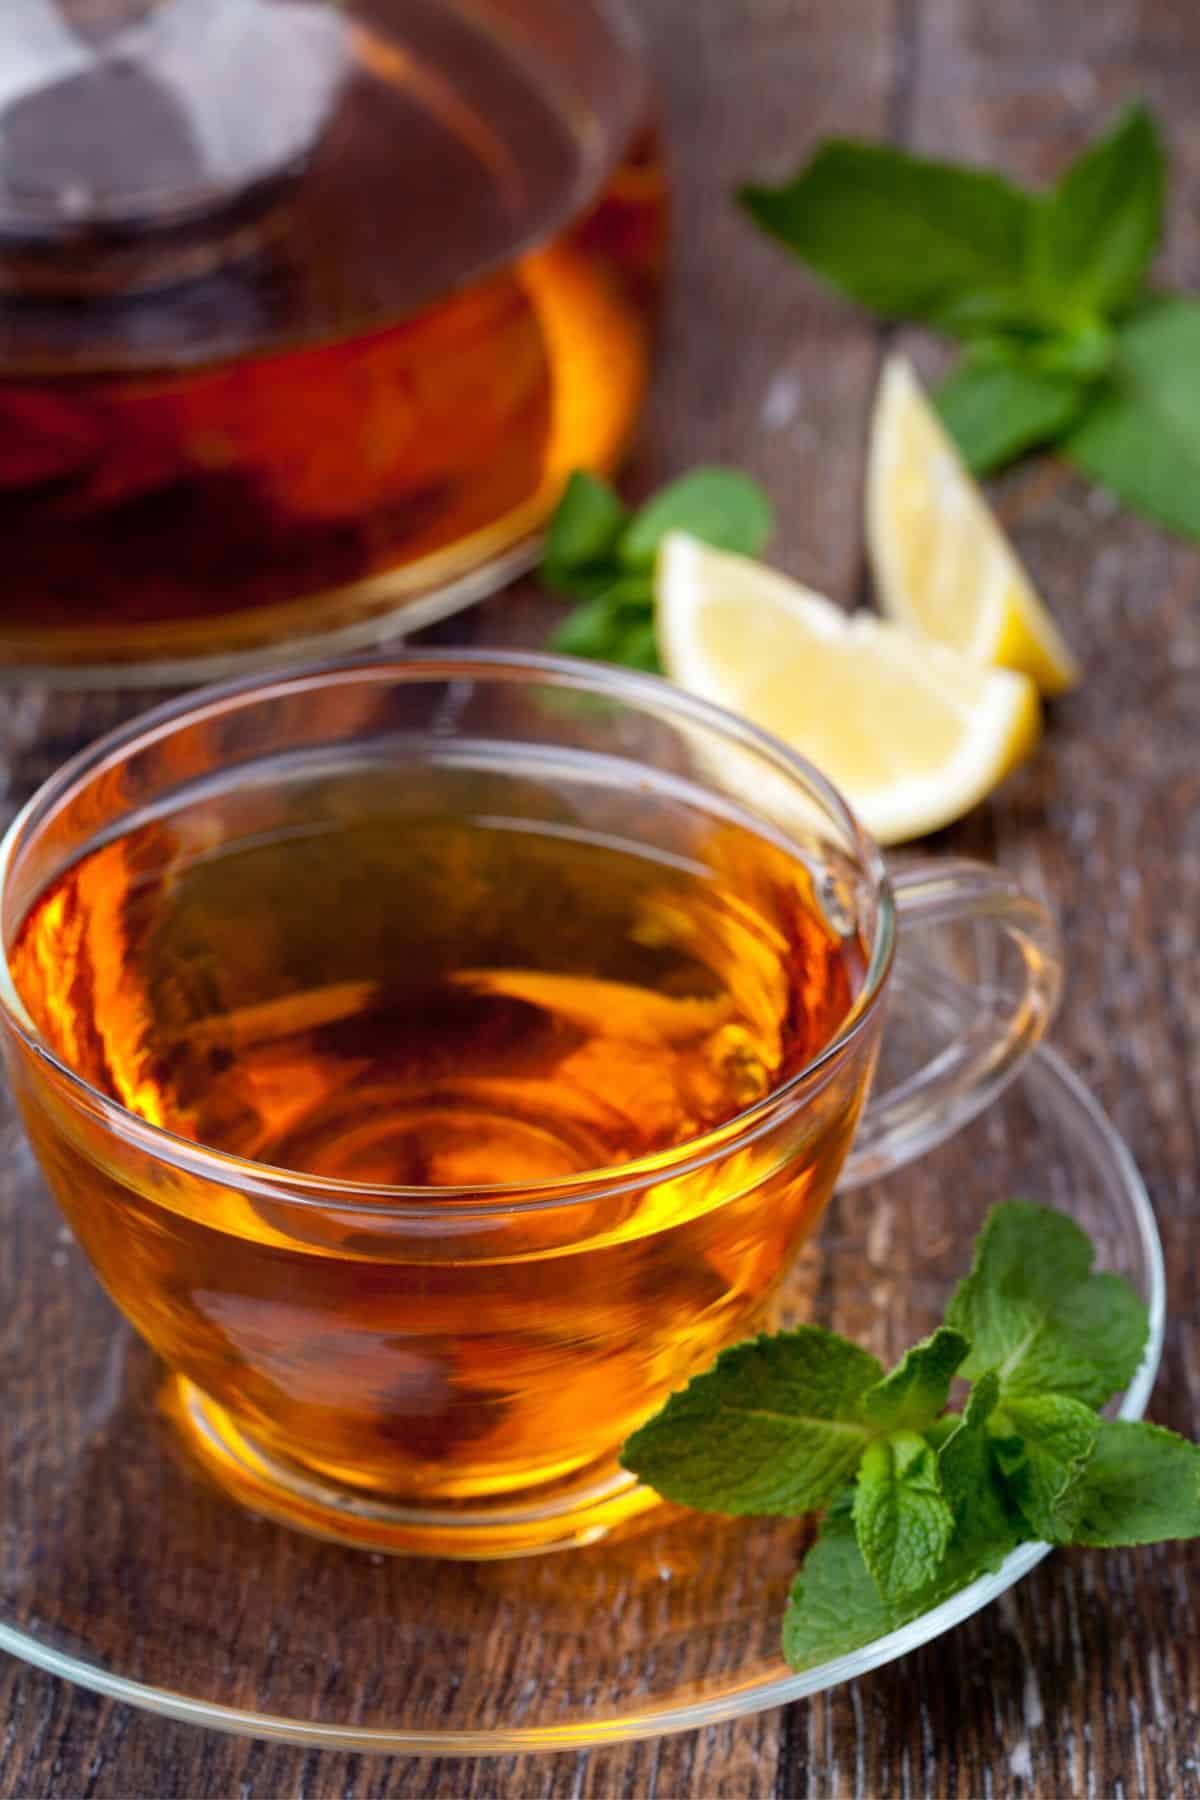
pixel 307 308
pixel 451 1367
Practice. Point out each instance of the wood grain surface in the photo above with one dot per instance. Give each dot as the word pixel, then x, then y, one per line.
pixel 1086 1678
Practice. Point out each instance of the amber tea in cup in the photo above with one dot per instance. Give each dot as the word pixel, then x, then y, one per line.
pixel 440 1059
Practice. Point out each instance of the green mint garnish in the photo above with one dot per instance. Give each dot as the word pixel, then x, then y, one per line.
pixel 997 410
pixel 916 1391
pixel 902 1519
pixel 919 1500
pixel 602 556
pixel 1095 232
pixel 1043 1443
pixel 583 533
pixel 721 507
pixel 1063 344
pixel 1142 1485
pixel 785 1410
pixel 1034 1312
pixel 1140 435
pixel 907 237
pixel 987 1521
pixel 834 1606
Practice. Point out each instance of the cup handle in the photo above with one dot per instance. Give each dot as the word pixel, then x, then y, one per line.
pixel 994 1025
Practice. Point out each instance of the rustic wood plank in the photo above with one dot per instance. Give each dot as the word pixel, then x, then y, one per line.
pixel 1087 1678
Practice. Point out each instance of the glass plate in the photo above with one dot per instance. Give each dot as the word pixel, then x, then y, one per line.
pixel 123 1570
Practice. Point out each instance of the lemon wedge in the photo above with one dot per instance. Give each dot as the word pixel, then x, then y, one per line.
pixel 940 560
pixel 913 733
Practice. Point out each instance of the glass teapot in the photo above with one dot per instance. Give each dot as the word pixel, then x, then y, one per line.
pixel 306 310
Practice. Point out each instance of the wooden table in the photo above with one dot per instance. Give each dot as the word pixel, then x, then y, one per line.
pixel 1086 1679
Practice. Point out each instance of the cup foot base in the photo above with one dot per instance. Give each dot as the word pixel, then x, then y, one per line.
pixel 557 1517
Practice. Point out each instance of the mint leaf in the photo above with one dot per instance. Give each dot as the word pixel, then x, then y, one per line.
pixel 908 237
pixel 941 1429
pixel 1141 435
pixel 721 507
pixel 1033 1311
pixel 1096 231
pixel 591 629
pixel 1083 354
pixel 615 625
pixel 1042 1443
pixel 901 1517
pixel 917 1389
pixel 584 529
pixel 986 1525
pixel 1077 350
pixel 998 411
pixel 833 1604
pixel 1141 1486
pixel 1103 1324
pixel 771 1428
pixel 637 648
pixel 608 633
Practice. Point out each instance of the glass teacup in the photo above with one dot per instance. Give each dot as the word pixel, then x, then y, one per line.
pixel 442 1056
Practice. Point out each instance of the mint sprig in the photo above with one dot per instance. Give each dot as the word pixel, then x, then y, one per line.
pixel 918 1499
pixel 1140 435
pixel 1046 291
pixel 602 556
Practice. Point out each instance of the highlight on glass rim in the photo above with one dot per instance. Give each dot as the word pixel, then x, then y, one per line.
pixel 596 1001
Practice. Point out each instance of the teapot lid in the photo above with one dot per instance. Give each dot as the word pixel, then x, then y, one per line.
pixel 123 113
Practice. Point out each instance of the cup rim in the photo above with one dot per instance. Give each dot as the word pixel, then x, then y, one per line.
pixel 297 1187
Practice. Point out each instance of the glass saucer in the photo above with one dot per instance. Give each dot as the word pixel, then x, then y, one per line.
pixel 123 1570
